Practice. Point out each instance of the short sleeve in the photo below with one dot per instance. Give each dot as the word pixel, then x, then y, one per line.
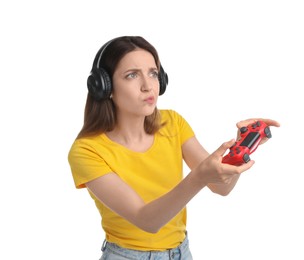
pixel 185 129
pixel 86 164
pixel 176 125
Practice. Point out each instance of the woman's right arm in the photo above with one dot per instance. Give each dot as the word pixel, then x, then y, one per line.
pixel 117 195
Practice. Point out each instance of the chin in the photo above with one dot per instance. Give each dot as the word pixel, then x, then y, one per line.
pixel 149 111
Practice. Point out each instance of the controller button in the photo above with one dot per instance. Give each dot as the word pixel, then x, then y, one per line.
pixel 267 132
pixel 258 123
pixel 243 129
pixel 246 158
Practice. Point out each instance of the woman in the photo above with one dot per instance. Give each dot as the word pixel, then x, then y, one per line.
pixel 129 155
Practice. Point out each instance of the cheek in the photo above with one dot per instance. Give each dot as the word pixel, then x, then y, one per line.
pixel 156 86
pixel 124 98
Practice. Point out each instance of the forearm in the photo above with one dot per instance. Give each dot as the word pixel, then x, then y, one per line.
pixel 149 216
pixel 155 214
pixel 194 154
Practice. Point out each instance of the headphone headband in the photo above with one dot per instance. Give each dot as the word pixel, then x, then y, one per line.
pixel 100 53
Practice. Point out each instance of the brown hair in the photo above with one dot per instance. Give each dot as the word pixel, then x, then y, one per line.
pixel 100 116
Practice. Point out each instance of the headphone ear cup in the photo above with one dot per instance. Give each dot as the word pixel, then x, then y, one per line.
pixel 99 84
pixel 163 80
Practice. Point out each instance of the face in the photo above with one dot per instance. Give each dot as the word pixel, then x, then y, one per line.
pixel 135 84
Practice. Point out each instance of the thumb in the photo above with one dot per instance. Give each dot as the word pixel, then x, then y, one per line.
pixel 223 148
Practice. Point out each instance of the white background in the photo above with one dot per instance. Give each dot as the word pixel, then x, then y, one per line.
pixel 226 61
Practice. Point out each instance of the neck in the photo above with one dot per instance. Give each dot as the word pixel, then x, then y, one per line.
pixel 128 131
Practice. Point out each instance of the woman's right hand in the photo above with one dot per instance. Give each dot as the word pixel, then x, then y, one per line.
pixel 213 171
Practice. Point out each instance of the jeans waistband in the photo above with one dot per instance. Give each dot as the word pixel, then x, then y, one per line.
pixel 137 254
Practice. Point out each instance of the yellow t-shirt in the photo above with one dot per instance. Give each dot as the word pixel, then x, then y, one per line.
pixel 151 173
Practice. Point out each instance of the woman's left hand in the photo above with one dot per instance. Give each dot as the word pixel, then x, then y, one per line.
pixel 249 121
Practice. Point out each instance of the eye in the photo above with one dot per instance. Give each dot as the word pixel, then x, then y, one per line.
pixel 131 75
pixel 154 74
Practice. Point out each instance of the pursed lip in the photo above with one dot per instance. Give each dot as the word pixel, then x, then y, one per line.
pixel 150 99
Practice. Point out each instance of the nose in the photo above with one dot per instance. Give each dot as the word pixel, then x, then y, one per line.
pixel 146 86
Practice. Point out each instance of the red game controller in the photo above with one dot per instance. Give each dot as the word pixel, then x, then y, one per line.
pixel 250 139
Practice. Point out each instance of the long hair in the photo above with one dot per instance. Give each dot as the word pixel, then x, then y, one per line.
pixel 100 116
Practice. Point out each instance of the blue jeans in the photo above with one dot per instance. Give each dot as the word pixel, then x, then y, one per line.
pixel 112 251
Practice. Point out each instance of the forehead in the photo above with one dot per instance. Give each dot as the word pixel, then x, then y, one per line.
pixel 138 58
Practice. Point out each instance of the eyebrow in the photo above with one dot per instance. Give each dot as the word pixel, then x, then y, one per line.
pixel 135 69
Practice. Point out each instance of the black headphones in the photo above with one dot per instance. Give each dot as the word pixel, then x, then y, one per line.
pixel 99 82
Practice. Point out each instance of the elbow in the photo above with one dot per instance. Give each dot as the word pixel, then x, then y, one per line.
pixel 149 228
pixel 148 221
pixel 148 225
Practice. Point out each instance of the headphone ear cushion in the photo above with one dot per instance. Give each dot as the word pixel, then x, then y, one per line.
pixel 99 84
pixel 163 81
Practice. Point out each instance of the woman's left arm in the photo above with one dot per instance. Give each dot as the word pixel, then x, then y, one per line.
pixel 194 153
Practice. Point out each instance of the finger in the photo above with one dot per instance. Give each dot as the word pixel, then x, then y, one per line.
pixel 223 148
pixel 249 121
pixel 232 169
pixel 246 122
pixel 246 166
pixel 271 122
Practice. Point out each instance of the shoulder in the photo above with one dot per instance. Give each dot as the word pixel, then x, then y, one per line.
pixel 83 147
pixel 169 115
pixel 85 142
pixel 175 124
